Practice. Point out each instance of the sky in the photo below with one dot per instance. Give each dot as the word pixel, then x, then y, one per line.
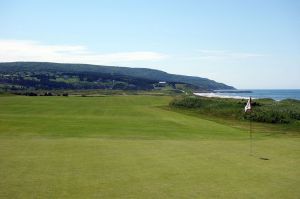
pixel 248 44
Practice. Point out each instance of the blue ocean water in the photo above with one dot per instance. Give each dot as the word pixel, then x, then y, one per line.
pixel 276 94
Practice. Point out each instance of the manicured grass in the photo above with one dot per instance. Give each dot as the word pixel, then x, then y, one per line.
pixel 129 147
pixel 115 116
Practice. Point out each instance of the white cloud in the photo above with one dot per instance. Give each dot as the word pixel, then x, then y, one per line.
pixel 225 55
pixel 26 50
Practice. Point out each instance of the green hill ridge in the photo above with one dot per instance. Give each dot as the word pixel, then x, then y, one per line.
pixel 142 74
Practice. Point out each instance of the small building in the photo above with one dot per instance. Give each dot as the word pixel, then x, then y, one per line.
pixel 162 83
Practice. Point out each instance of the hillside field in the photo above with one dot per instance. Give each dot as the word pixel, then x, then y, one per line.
pixel 134 147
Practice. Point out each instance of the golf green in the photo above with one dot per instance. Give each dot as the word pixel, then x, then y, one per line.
pixel 132 147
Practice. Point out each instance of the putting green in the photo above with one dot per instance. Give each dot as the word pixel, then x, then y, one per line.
pixel 129 147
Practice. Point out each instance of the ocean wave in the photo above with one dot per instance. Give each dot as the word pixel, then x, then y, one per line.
pixel 219 96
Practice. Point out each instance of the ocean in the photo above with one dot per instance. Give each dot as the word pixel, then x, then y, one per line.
pixel 276 94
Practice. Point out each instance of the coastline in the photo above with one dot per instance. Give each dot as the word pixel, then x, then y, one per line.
pixel 275 94
pixel 219 96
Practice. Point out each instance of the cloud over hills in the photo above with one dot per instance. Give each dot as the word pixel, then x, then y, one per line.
pixel 27 50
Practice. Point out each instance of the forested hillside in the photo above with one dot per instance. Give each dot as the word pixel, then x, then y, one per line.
pixel 44 75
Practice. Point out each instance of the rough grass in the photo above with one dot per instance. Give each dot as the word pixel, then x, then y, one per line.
pixel 129 147
pixel 263 110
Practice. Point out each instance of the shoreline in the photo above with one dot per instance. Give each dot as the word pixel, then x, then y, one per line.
pixel 211 95
pixel 275 94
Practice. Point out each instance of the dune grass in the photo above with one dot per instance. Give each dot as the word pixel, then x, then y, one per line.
pixel 130 147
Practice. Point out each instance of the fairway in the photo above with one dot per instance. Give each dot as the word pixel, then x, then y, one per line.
pixel 133 147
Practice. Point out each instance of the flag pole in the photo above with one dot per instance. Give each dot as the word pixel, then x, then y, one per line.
pixel 250 128
pixel 250 134
pixel 248 108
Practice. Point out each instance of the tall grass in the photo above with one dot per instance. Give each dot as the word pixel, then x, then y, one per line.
pixel 264 110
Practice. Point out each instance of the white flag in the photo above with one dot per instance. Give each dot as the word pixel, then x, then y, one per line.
pixel 248 105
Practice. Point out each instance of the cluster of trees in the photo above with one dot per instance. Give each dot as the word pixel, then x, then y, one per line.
pixel 268 111
pixel 41 94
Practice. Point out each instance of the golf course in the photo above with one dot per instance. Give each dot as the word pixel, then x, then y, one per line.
pixel 134 146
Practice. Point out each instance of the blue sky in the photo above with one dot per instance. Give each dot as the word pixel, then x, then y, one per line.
pixel 247 44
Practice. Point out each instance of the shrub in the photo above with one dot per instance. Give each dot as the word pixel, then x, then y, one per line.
pixel 264 110
pixel 187 102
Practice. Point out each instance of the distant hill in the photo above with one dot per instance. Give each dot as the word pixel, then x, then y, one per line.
pixel 135 74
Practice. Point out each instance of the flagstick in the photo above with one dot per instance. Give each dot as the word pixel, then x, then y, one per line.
pixel 248 109
pixel 250 134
